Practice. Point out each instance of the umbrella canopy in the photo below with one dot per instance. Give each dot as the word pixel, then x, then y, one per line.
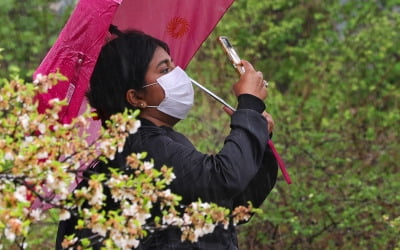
pixel 182 24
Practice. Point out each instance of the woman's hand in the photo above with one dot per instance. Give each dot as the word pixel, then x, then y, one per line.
pixel 267 116
pixel 251 82
pixel 270 121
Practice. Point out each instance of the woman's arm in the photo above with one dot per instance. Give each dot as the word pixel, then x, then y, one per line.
pixel 214 177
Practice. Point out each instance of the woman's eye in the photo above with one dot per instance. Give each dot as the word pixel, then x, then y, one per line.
pixel 166 70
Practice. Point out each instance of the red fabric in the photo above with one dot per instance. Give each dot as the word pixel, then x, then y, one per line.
pixel 75 53
pixel 182 24
pixel 280 162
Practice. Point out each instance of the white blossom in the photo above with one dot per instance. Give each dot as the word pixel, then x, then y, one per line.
pixel 205 205
pixel 170 219
pixel 201 231
pixel 50 179
pixel 24 120
pixel 123 241
pixel 62 190
pixel 21 157
pixel 42 128
pixel 148 165
pixel 10 235
pixel 121 144
pixel 187 219
pixel 167 192
pixel 82 120
pixel 39 77
pixel 61 187
pixel 142 217
pixel 195 206
pixel 100 229
pixel 134 128
pixel 130 209
pixel 36 214
pixel 64 215
pixel 105 148
pixel 97 197
pixel 9 156
pixel 29 139
pixel 42 155
pixel 20 194
pixel 54 101
pixel 12 224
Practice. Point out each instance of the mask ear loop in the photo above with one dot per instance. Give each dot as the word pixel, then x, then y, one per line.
pixel 148 85
pixel 142 105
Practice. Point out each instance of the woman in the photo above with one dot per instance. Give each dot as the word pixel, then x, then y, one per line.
pixel 135 71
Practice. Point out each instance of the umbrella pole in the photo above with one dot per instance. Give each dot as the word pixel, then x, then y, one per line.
pixel 217 98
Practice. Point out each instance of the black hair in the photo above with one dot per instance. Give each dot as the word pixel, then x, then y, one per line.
pixel 121 65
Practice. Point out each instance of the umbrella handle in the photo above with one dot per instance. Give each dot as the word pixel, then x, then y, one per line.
pixel 280 162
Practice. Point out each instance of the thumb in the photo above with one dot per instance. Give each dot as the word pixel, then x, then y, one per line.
pixel 228 110
pixel 247 66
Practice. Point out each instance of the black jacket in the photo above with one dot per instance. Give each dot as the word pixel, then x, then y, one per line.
pixel 244 170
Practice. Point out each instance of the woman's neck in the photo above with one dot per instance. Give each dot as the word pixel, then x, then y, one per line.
pixel 160 120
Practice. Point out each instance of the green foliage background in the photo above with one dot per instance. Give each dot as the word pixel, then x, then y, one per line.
pixel 28 30
pixel 334 70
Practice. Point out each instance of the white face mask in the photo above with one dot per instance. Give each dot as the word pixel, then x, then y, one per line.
pixel 179 94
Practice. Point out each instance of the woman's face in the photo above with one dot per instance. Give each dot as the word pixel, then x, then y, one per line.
pixel 153 95
pixel 160 64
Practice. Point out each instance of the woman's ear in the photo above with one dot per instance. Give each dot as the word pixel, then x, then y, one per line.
pixel 134 98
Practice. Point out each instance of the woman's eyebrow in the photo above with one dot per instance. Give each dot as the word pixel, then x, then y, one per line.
pixel 166 61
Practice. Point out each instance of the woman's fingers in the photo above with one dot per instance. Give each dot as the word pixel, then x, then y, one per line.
pixel 270 121
pixel 228 110
pixel 251 82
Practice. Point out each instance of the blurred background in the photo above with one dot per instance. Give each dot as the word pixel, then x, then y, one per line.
pixel 333 68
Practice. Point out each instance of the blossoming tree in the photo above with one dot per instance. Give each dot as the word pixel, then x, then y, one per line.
pixel 40 159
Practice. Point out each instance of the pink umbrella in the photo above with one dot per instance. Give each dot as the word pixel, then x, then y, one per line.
pixel 182 24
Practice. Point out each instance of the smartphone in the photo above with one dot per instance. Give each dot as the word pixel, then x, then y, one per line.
pixel 231 52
